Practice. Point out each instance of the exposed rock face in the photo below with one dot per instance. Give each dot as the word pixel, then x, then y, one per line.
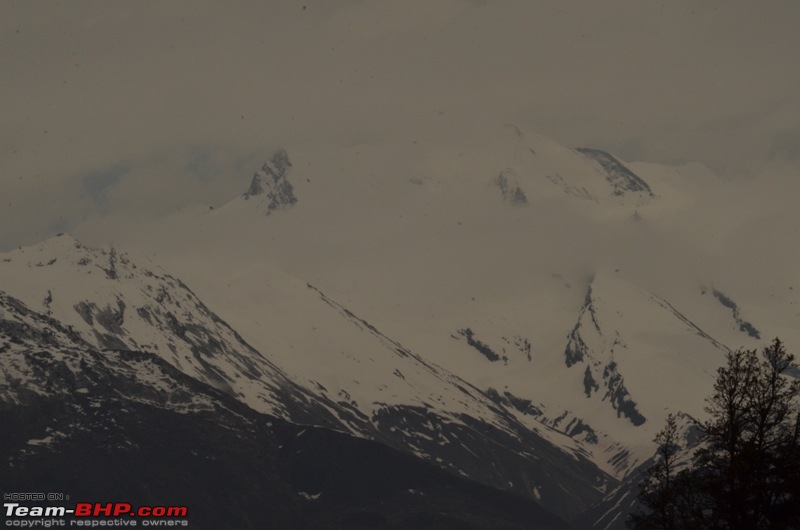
pixel 622 179
pixel 271 182
pixel 511 192
pixel 744 326
pixel 590 344
pixel 482 348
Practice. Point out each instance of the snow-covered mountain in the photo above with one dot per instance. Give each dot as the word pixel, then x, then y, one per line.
pixel 113 304
pixel 357 380
pixel 130 425
pixel 512 310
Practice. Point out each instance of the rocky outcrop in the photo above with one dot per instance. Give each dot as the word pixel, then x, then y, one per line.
pixel 271 182
pixel 622 179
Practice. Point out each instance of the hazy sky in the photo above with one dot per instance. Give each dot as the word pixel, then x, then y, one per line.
pixel 129 108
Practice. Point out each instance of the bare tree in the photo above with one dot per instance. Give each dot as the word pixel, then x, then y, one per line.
pixel 746 475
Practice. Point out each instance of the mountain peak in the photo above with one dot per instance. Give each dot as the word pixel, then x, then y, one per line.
pixel 272 183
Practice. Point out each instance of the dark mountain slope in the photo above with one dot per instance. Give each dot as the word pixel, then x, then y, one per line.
pixel 128 424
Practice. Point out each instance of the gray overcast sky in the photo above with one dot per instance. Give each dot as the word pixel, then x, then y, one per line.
pixel 138 107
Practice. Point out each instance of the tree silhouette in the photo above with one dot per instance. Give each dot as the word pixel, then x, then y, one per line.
pixel 746 473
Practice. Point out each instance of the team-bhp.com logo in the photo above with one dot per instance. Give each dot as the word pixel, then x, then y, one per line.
pixel 96 514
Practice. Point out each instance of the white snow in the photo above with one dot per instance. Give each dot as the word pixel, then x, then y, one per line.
pixel 418 242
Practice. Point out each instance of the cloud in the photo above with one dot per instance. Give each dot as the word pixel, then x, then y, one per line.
pixel 95 185
pixel 201 165
pixel 90 85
